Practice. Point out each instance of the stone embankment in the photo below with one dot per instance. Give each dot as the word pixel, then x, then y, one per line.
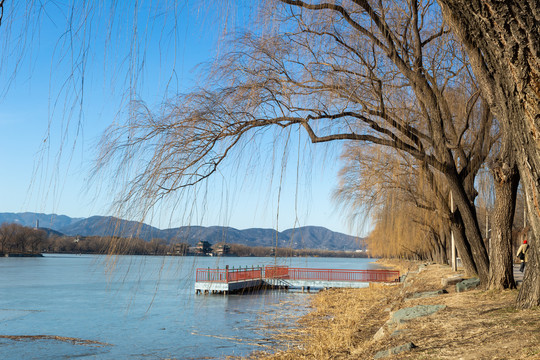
pixel 395 326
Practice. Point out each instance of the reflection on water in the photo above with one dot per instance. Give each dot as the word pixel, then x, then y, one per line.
pixel 137 307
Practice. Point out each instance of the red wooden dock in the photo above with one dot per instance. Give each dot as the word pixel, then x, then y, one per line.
pixel 228 280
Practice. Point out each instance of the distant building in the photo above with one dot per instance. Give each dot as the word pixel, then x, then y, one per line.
pixel 221 249
pixel 202 248
pixel 180 249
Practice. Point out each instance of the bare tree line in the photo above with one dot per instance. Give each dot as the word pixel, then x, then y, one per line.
pixel 19 239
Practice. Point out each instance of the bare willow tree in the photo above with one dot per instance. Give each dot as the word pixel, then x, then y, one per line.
pixel 387 186
pixel 400 232
pixel 504 181
pixel 358 71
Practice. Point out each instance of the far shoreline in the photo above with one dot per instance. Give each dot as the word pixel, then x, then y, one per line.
pixel 20 255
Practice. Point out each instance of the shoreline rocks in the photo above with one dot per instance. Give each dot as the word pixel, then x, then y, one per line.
pixel 468 284
pixel 402 316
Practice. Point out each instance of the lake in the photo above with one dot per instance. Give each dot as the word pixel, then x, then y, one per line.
pixel 139 307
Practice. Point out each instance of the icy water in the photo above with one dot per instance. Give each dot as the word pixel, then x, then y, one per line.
pixel 138 307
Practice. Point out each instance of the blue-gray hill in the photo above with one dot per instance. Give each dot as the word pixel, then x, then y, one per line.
pixel 51 221
pixel 308 237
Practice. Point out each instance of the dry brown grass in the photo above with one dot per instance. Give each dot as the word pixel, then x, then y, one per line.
pixel 475 325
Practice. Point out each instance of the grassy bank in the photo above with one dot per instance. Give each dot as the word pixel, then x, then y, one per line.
pixel 474 325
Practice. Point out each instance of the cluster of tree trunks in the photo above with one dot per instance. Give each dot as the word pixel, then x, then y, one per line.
pixel 503 43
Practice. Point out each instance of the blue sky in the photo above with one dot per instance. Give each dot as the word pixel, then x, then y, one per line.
pixel 50 128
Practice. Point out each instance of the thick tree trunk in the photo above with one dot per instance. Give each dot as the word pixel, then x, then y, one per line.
pixel 467 236
pixel 462 245
pixel 529 293
pixel 501 38
pixel 501 265
pixel 472 230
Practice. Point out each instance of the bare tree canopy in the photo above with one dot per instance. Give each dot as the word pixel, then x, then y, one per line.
pixel 374 73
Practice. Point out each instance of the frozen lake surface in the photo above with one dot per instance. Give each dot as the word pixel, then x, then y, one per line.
pixel 138 307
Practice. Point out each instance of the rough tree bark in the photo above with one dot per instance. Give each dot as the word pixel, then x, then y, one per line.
pixel 503 44
pixel 473 236
pixel 462 245
pixel 506 181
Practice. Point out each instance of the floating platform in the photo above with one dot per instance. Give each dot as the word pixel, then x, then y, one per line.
pixel 225 281
pixel 316 284
pixel 205 287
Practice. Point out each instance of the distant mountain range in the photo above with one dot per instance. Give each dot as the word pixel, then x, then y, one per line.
pixel 307 237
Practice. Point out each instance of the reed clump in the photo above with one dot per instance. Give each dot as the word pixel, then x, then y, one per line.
pixel 342 321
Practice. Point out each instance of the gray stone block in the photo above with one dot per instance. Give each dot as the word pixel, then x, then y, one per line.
pixel 414 312
pixel 403 315
pixel 399 332
pixel 451 281
pixel 468 284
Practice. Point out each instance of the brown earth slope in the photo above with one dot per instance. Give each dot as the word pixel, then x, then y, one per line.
pixel 475 324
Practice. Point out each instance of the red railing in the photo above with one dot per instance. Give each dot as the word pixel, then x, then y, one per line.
pixel 211 275
pixel 245 274
pixel 228 275
pixel 284 272
pixel 276 272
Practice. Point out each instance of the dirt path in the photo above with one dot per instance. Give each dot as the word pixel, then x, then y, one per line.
pixel 518 275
